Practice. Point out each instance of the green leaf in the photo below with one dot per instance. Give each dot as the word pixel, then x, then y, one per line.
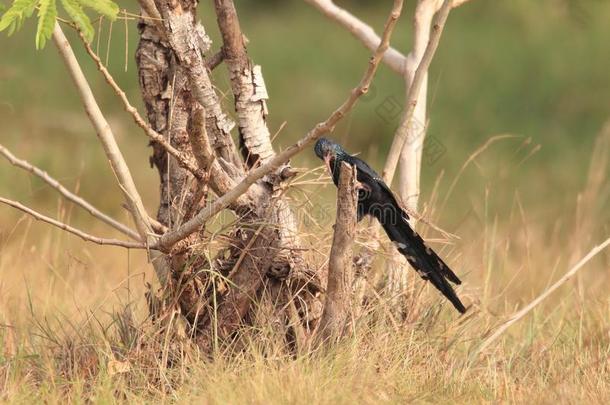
pixel 107 8
pixel 16 14
pixel 75 11
pixel 47 13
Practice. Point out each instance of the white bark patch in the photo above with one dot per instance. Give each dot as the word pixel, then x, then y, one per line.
pixel 205 43
pixel 260 90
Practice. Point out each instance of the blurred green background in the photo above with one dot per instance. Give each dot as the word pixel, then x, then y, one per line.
pixel 538 70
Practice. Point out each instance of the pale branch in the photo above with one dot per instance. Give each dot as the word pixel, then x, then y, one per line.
pixel 339 296
pixel 83 235
pixel 104 133
pixel 414 89
pixel 170 238
pixel 25 165
pixel 183 159
pixel 362 31
pixel 157 226
pixel 111 149
pixel 411 153
pixel 414 133
pixel 247 85
pixel 393 58
pixel 521 313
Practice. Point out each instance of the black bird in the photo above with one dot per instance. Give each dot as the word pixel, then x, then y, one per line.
pixel 376 199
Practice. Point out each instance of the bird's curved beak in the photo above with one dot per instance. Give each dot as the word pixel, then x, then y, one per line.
pixel 327 162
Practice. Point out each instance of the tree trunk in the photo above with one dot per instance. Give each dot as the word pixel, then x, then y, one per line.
pixel 263 250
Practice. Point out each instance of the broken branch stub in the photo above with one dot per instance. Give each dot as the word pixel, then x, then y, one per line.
pixel 339 292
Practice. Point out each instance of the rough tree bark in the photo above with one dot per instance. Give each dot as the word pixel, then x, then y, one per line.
pixel 339 302
pixel 182 104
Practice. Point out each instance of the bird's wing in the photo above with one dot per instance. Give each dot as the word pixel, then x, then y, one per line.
pixel 364 168
pixel 369 173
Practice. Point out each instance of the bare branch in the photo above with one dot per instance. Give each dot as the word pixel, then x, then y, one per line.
pixel 157 226
pixel 411 153
pixel 362 31
pixel 183 160
pixel 328 125
pixel 247 85
pixel 213 61
pixel 67 193
pixel 199 141
pixel 414 90
pixel 83 235
pixel 339 296
pixel 520 314
pixel 113 153
pixel 104 133
pixel 393 58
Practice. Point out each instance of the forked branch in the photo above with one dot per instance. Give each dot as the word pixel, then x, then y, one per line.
pixel 85 236
pixel 393 58
pixel 362 31
pixel 104 133
pixel 25 165
pixel 413 93
pixel 112 151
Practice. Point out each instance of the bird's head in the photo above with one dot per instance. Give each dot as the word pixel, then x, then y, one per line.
pixel 326 149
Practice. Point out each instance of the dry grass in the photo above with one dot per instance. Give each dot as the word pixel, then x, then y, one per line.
pixel 73 323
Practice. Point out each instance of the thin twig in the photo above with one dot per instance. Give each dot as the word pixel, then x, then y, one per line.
pixel 520 314
pixel 412 95
pixel 183 160
pixel 213 61
pixel 104 133
pixel 83 235
pixel 328 125
pixel 23 164
pixel 111 149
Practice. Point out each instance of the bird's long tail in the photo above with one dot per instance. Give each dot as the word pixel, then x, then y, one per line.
pixel 423 259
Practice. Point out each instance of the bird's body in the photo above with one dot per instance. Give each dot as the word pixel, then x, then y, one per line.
pixel 376 199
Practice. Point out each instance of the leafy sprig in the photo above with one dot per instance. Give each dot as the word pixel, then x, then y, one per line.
pixel 12 20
